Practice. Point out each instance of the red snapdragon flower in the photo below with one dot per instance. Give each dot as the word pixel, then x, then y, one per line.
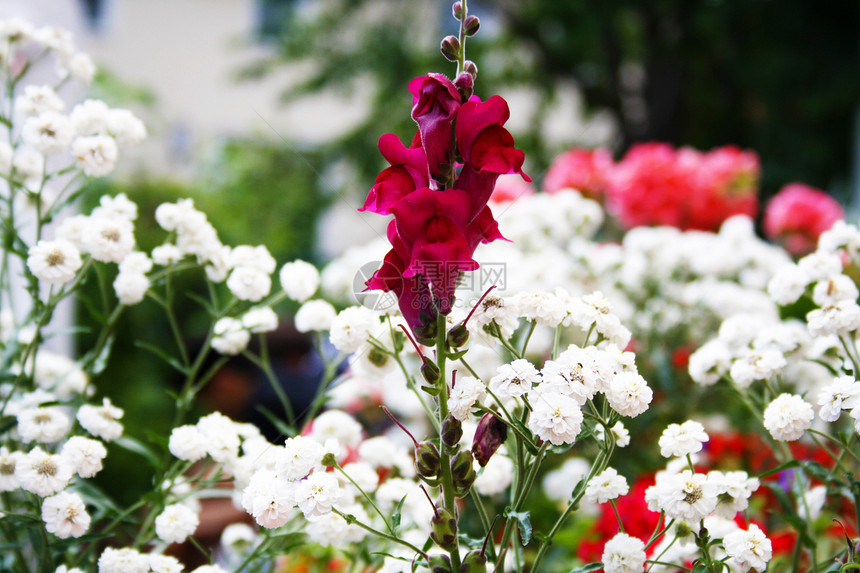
pixel 798 214
pixel 440 213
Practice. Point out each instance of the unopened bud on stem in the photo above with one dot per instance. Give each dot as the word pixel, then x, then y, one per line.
pixel 450 48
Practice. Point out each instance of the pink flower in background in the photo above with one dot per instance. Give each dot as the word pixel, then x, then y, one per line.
pixel 726 184
pixel 585 170
pixel 798 214
pixel 655 184
pixel 510 188
pixel 650 186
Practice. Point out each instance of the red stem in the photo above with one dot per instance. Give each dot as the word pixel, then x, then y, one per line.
pixel 402 427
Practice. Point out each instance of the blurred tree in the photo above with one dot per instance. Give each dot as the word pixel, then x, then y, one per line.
pixel 780 77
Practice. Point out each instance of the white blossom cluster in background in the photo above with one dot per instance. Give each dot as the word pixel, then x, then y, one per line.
pixel 804 363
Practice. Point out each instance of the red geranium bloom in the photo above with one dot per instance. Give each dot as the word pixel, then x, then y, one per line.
pixel 798 214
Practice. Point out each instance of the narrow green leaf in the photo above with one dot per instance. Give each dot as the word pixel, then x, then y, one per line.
pixel 396 515
pixel 596 566
pixel 202 302
pixel 163 355
pixel 781 467
pixel 100 362
pixel 138 447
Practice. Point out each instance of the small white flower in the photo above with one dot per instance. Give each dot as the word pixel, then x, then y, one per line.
pixel 90 117
pixel 43 473
pixel 8 463
pixel 749 549
pixel 249 283
pixel 315 315
pixel 55 262
pixel 300 455
pixel 101 421
pixel 840 318
pixel 605 486
pixel 221 436
pixel 622 434
pixel 130 287
pixel 624 554
pixel 629 394
pixel 317 494
pixel 787 417
pixel 465 393
pixel 842 393
pixel 166 255
pixel 556 418
pixel 682 439
pixel 80 66
pixel 787 285
pixel 542 307
pixel 176 523
pixel 125 127
pixel 685 496
pixel 96 155
pixel 255 257
pixel 65 515
pixel 38 99
pixel 187 443
pixel 29 167
pixel 231 337
pixel 558 484
pixel 352 327
pixel 336 425
pixel 108 240
pixel 85 454
pixel 260 319
pixel 710 362
pixel 269 499
pixel 47 425
pixel 50 132
pixel 125 560
pixel 514 379
pixel 733 491
pixel 300 280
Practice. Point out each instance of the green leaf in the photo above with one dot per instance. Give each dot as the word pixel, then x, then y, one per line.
pixel 204 303
pixel 100 361
pixel 138 447
pixel 524 522
pixel 163 355
pixel 781 467
pixel 596 566
pixel 398 512
pixel 821 473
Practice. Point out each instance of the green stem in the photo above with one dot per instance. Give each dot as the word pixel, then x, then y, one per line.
pixel 352 520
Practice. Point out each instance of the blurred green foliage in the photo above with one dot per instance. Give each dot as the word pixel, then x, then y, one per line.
pixel 779 77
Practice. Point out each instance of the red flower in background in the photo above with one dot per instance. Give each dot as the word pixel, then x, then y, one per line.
pixel 655 184
pixel 798 214
pixel 585 170
pixel 440 214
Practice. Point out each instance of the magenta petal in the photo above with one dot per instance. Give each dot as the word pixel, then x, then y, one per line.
pixel 474 117
pixel 392 185
pixel 483 229
pixel 435 103
pixel 415 209
pixel 479 186
pixel 411 158
pixel 493 150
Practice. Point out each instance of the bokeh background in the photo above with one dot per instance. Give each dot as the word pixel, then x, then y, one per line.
pixel 267 112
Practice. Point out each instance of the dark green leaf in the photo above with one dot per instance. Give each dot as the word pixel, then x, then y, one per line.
pixel 524 522
pixel 819 472
pixel 100 361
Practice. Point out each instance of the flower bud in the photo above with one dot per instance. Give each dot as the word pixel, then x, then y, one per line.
pixel 461 464
pixel 470 68
pixel 450 48
pixel 459 334
pixel 457 9
pixel 490 434
pixel 377 357
pixel 471 25
pixel 427 459
pixel 452 432
pixel 440 563
pixel 462 486
pixel 475 561
pixel 444 529
pixel 430 372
